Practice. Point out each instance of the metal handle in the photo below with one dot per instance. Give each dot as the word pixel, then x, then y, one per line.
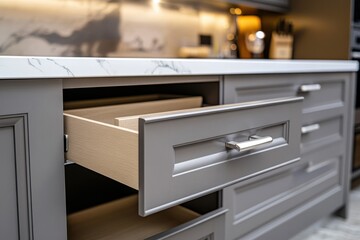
pixel 254 141
pixel 310 87
pixel 66 143
pixel 310 128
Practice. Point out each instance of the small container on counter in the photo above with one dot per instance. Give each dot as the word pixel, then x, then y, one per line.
pixel 282 39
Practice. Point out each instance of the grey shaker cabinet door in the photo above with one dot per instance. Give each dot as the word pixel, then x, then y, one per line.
pixel 183 155
pixel 15 219
pixel 32 202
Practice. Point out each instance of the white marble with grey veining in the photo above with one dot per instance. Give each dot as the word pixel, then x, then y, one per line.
pixel 12 67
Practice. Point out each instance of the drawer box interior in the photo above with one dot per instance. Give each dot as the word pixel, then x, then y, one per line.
pixel 101 208
pixel 100 123
pixel 123 107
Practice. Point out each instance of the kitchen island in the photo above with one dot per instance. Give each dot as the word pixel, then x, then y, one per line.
pixel 271 139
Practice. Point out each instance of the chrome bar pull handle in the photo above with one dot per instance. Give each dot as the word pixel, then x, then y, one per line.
pixel 310 128
pixel 66 143
pixel 253 142
pixel 310 87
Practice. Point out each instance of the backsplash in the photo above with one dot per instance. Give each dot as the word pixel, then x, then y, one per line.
pixel 106 28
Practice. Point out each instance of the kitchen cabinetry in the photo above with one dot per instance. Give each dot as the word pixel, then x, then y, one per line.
pixel 183 154
pixel 32 188
pixel 273 148
pixel 177 149
pixel 322 175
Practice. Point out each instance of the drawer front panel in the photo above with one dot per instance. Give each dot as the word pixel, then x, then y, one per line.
pixel 299 218
pixel 320 133
pixel 184 156
pixel 321 95
pixel 253 205
pixel 321 92
pixel 207 227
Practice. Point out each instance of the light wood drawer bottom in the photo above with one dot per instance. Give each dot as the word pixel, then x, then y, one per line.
pixel 119 220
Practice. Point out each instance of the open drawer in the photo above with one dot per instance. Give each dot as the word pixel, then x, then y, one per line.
pixel 119 220
pixel 176 156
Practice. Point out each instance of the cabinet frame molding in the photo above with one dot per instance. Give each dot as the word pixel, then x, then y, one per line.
pixel 19 125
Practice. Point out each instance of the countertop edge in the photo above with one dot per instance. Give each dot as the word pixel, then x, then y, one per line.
pixel 12 67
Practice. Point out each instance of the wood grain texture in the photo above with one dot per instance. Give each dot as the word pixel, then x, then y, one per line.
pixel 109 101
pixel 111 150
pixel 119 220
pixel 131 122
pixel 104 148
pixel 107 114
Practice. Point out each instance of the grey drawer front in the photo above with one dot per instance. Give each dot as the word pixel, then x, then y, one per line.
pixel 331 94
pixel 207 227
pixel 183 156
pixel 319 133
pixel 255 204
pixel 300 217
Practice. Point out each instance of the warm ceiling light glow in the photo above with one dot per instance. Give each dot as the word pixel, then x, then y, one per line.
pixel 235 11
pixel 249 23
pixel 238 11
pixel 260 34
pixel 156 5
pixel 230 36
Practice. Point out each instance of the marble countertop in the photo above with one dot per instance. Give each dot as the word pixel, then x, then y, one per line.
pixel 12 67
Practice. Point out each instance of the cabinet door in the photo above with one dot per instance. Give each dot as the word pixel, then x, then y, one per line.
pixel 32 202
pixel 10 227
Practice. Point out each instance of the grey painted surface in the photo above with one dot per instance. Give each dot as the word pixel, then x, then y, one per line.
pixel 265 202
pixel 9 227
pixel 34 110
pixel 16 173
pixel 210 226
pixel 348 141
pixel 253 205
pixel 252 87
pixel 299 218
pixel 328 147
pixel 184 155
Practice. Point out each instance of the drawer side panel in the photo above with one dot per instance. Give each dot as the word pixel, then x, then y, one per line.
pixel 103 148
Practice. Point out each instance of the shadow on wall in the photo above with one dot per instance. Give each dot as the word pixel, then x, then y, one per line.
pixel 97 37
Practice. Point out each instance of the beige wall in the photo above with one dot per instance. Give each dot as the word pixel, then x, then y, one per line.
pixel 322 28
